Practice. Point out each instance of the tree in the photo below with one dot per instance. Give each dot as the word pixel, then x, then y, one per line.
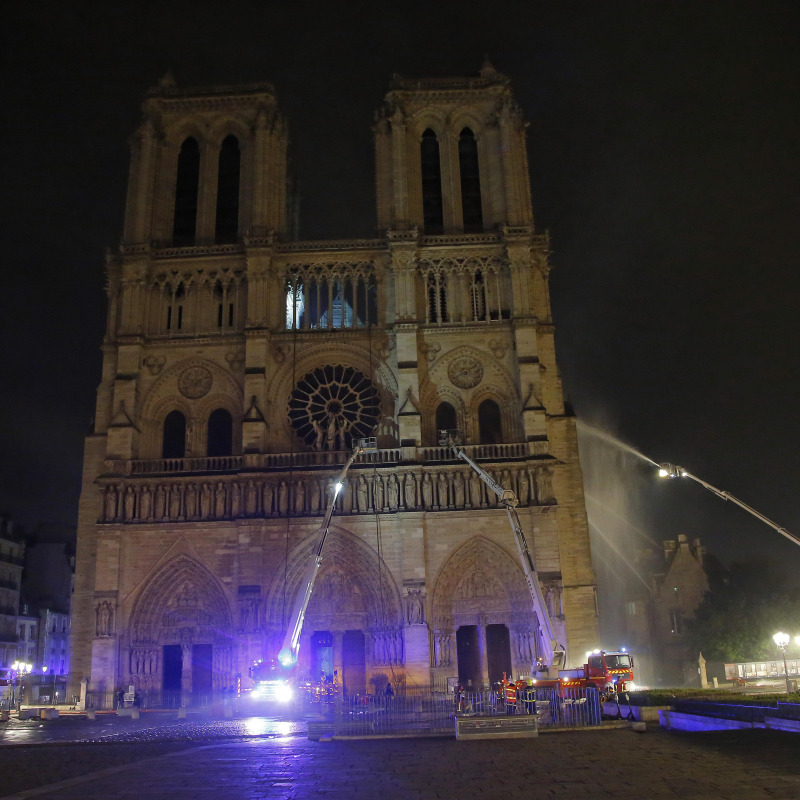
pixel 744 606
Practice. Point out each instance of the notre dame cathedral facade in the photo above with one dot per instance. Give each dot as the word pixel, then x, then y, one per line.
pixel 240 364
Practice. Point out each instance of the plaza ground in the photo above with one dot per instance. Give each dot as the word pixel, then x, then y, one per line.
pixel 159 757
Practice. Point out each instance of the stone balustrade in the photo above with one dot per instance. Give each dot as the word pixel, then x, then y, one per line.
pixel 323 458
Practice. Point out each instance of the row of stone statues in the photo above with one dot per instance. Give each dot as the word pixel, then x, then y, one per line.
pixel 138 501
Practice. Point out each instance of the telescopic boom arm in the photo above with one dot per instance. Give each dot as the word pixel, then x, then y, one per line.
pixel 288 653
pixel 672 471
pixel 554 655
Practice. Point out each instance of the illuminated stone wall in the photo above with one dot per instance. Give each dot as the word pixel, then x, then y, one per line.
pixel 237 375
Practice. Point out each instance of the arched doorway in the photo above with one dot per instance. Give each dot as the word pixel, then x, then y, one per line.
pixel 179 647
pixel 353 624
pixel 482 606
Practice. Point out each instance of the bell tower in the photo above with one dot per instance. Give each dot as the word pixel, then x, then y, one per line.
pixel 451 156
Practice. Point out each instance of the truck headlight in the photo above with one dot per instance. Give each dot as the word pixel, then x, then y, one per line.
pixel 283 693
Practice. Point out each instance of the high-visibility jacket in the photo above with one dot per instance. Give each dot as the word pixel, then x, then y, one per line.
pixel 511 694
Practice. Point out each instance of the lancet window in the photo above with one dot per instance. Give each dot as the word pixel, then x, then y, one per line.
pixel 220 433
pixel 173 440
pixel 470 181
pixel 461 290
pixel 328 296
pixel 490 425
pixel 186 186
pixel 194 302
pixel 432 206
pixel 227 219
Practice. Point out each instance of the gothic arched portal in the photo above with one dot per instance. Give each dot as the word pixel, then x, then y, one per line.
pixel 483 622
pixel 355 607
pixel 180 635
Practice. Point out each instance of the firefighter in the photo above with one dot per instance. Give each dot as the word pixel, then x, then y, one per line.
pixel 523 696
pixel 510 691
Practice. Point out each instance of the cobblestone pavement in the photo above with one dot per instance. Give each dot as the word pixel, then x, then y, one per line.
pixel 215 760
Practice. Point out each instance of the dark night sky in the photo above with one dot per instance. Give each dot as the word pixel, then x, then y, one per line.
pixel 663 147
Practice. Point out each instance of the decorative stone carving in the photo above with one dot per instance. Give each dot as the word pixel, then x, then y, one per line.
pixel 155 364
pixel 415 607
pixel 498 347
pixel 235 359
pixel 104 619
pixel 465 372
pixel 430 351
pixel 195 382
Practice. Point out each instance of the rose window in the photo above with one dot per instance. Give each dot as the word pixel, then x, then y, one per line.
pixel 332 406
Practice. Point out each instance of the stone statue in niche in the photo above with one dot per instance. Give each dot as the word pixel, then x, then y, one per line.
pixel 104 619
pixel 111 503
pixel 361 493
pixel 130 501
pixel 250 499
pixel 236 499
pixel 458 489
pixel 393 492
pixel 410 491
pixel 145 503
pixel 174 501
pixel 190 498
pixel 219 506
pixel 205 501
pixel 415 607
pixel 427 491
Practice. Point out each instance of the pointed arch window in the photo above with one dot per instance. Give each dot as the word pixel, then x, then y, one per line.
pixel 227 224
pixel 220 433
pixel 446 419
pixel 470 181
pixel 173 440
pixel 490 428
pixel 186 185
pixel 432 206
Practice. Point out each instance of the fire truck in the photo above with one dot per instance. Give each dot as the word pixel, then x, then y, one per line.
pixel 610 671
pixel 275 679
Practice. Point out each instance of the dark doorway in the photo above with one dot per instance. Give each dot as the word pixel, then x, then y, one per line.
pixel 354 679
pixel 498 647
pixel 321 655
pixel 469 656
pixel 202 655
pixel 173 668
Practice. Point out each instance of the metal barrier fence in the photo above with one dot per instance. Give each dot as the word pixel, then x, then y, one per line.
pixel 107 701
pixel 425 712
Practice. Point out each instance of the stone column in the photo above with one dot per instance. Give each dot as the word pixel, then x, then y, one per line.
pixel 186 674
pixel 338 655
pixel 484 653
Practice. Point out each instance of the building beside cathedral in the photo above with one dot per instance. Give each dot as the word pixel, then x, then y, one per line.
pixel 240 365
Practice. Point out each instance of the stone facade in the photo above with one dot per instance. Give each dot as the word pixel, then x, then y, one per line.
pixel 239 366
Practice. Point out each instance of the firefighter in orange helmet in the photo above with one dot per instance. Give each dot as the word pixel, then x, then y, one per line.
pixel 510 691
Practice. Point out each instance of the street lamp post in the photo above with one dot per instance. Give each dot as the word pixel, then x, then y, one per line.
pixel 18 671
pixel 782 640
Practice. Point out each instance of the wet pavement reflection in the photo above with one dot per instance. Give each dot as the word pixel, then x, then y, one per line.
pixel 151 726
